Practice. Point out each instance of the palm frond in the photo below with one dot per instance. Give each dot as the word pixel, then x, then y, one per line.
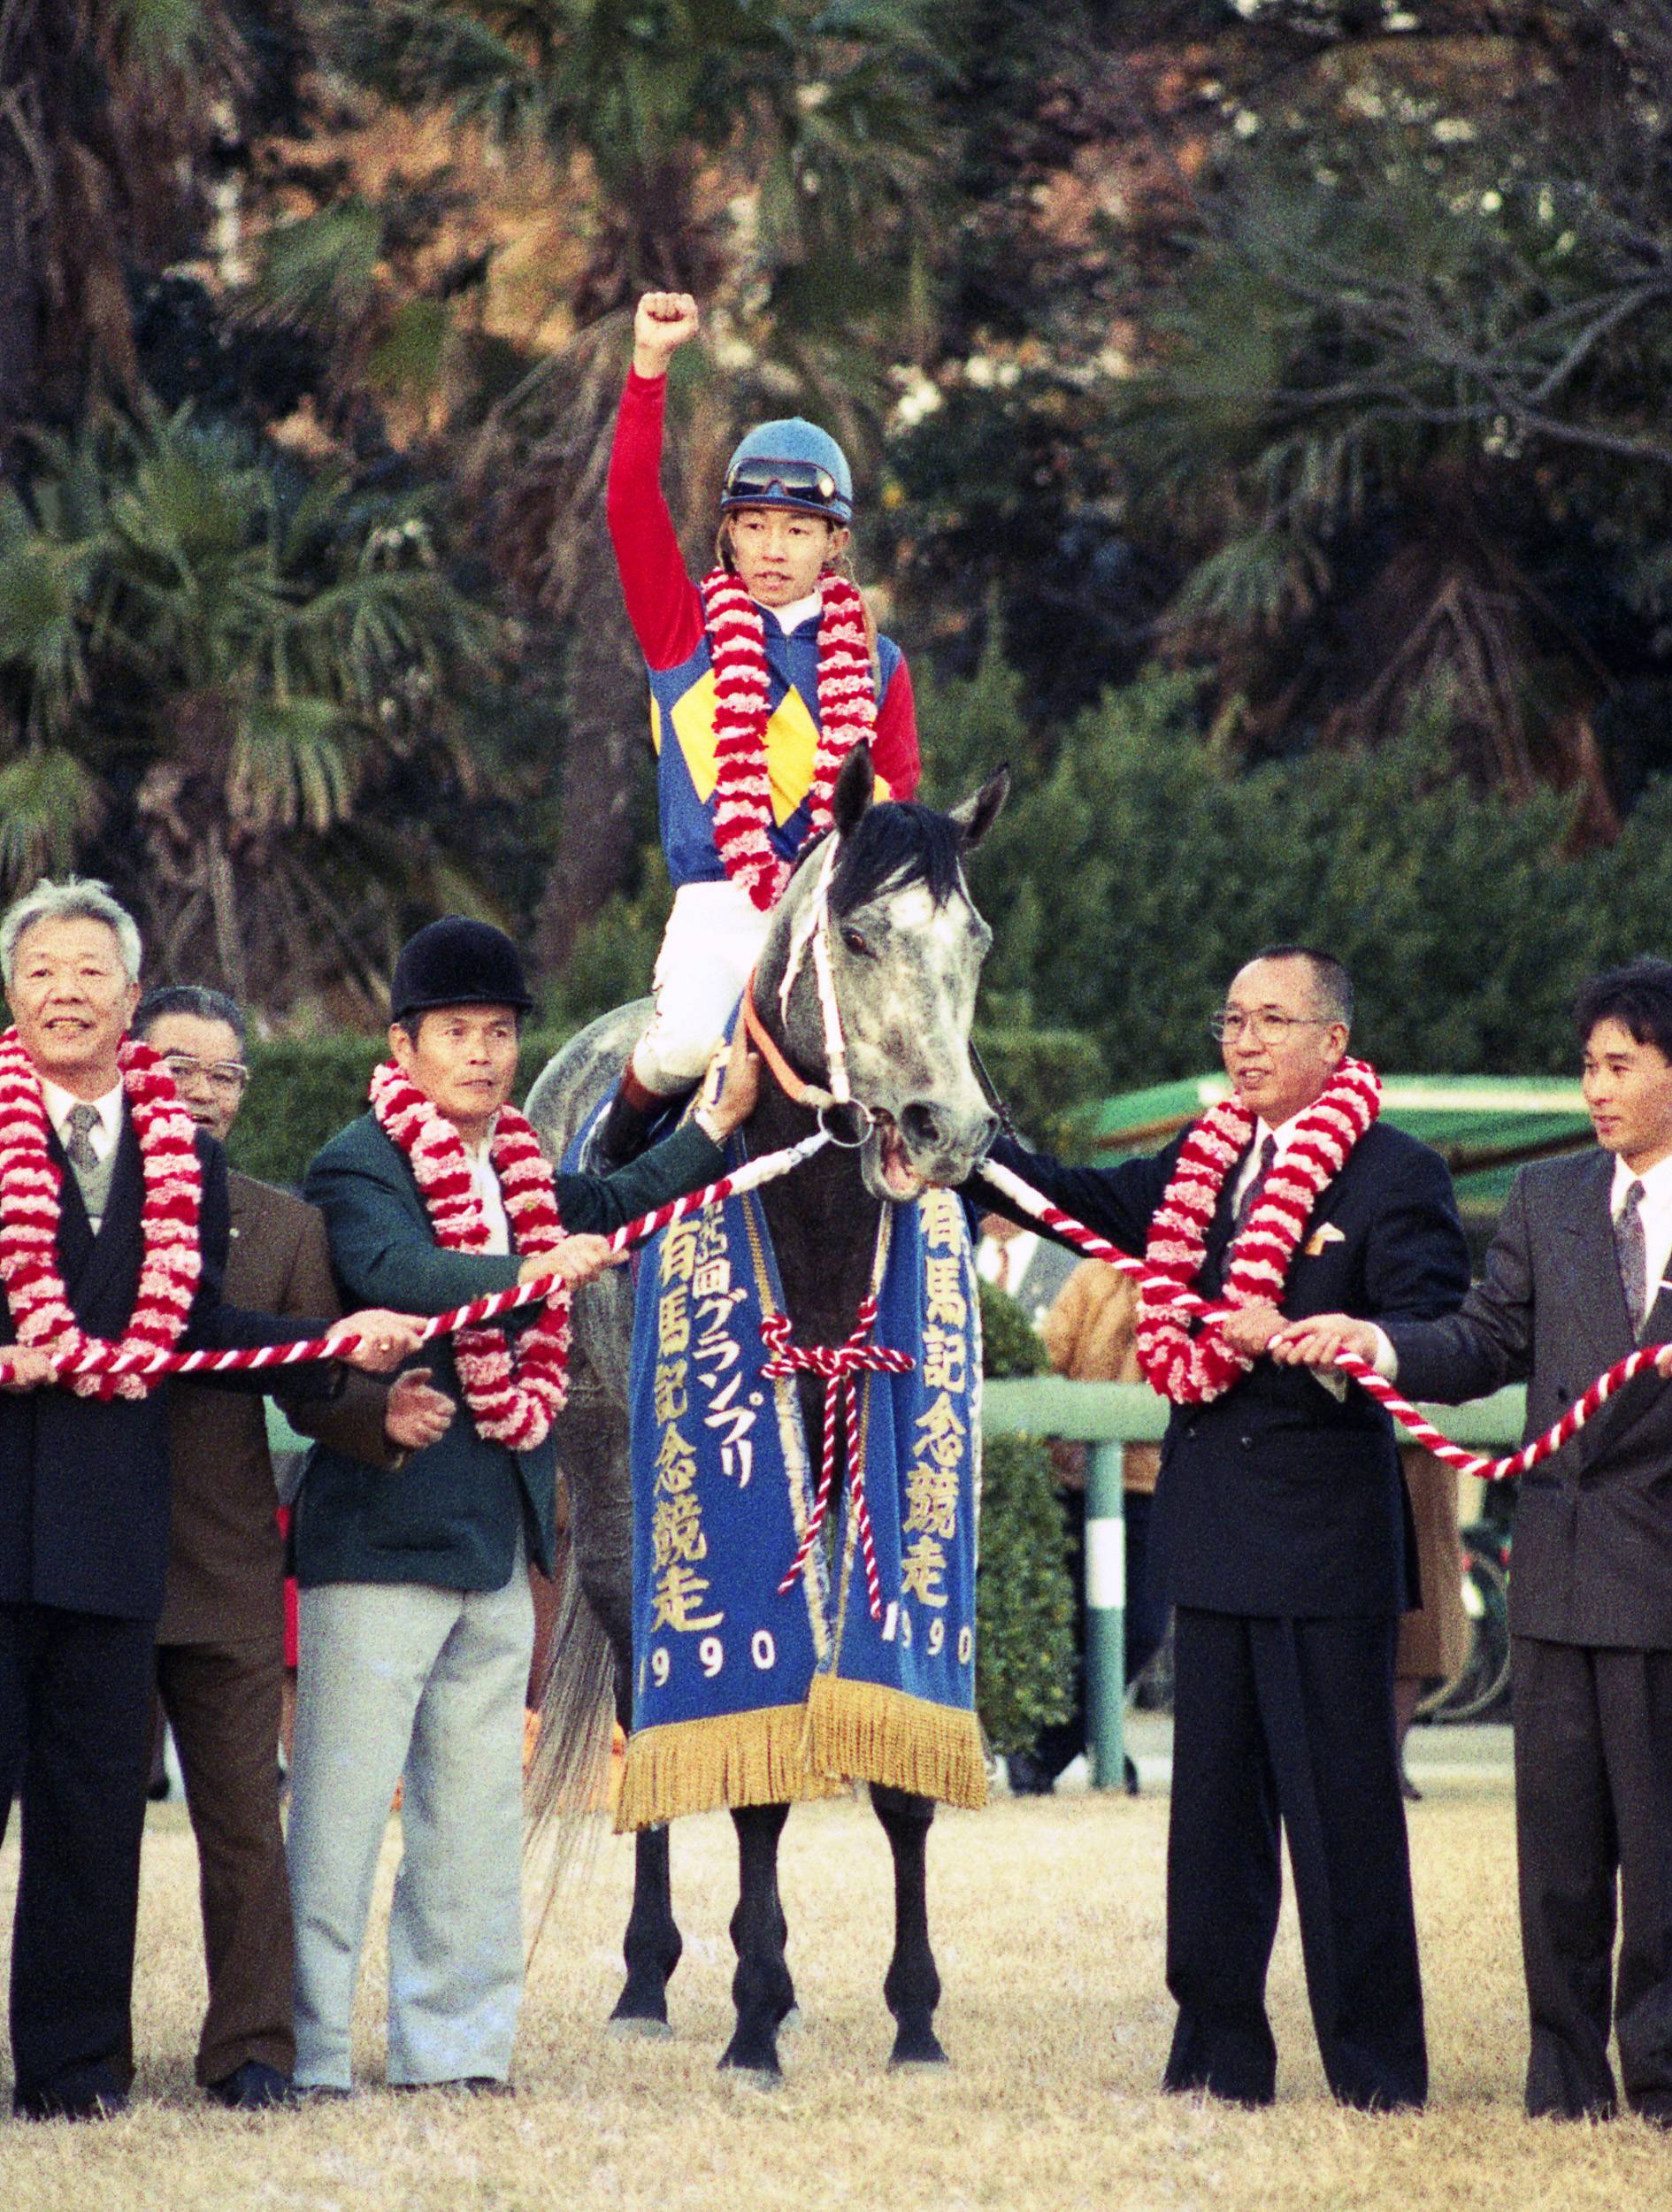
pixel 294 762
pixel 50 803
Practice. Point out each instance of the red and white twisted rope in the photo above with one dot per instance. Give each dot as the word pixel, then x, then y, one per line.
pixel 839 1364
pixel 487 1308
pixel 1409 1416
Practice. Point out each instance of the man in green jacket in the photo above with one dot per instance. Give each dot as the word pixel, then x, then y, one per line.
pixel 417 1622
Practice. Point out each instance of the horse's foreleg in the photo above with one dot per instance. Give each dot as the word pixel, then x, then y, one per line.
pixel 761 1988
pixel 912 1985
pixel 653 1944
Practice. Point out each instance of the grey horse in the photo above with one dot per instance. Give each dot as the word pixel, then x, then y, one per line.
pixel 905 946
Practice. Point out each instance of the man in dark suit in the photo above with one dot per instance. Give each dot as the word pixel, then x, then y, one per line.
pixel 84 1507
pixel 221 1639
pixel 1574 1280
pixel 418 1625
pixel 1282 1539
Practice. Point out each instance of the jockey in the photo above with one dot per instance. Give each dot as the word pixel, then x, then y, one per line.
pixel 762 679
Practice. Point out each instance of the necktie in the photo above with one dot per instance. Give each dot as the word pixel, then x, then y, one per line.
pixel 78 1149
pixel 1251 1187
pixel 1634 1265
pixel 1001 1270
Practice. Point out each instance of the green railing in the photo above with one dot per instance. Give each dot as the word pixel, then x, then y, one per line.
pixel 1109 1416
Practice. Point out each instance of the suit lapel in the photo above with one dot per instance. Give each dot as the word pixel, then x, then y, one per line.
pixel 1596 1300
pixel 75 1230
pixel 113 1250
pixel 1586 1227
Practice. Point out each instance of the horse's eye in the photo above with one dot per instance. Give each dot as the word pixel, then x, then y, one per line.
pixel 855 943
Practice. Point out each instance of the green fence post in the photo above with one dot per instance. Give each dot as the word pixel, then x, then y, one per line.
pixel 1106 1617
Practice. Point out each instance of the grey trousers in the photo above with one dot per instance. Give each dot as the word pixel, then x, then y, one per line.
pixel 1593 1838
pixel 403 1679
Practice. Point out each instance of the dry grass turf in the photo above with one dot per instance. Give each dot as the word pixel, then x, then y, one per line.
pixel 1047 1916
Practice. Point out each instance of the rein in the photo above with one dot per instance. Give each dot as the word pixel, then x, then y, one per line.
pixel 812 934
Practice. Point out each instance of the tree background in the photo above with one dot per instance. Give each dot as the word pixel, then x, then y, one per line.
pixel 1257 408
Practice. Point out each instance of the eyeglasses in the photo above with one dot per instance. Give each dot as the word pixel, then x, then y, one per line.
pixel 794 479
pixel 1231 1025
pixel 221 1075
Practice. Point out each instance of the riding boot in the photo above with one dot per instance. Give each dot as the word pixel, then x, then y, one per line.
pixel 625 1128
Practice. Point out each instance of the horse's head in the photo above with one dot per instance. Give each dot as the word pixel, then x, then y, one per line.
pixel 905 946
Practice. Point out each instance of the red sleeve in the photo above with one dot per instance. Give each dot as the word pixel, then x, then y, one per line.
pixel 894 748
pixel 663 605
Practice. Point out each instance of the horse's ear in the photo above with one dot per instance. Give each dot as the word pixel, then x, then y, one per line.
pixel 978 814
pixel 856 788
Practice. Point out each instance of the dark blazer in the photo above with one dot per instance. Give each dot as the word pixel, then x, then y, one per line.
pixel 1593 1526
pixel 1276 1499
pixel 226 1554
pixel 84 1482
pixel 450 1517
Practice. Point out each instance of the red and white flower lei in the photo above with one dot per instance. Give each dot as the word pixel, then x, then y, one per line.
pixel 1191 1369
pixel 846 712
pixel 31 1211
pixel 512 1393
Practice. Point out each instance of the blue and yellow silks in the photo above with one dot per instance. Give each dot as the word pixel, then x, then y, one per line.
pixel 747 1695
pixel 682 731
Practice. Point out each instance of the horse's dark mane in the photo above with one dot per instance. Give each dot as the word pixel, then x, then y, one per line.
pixel 897 843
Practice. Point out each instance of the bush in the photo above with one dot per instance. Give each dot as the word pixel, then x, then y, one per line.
pixel 1142 864
pixel 1024 1598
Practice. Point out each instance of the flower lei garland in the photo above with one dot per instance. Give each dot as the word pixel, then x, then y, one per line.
pixel 31 1211
pixel 846 712
pixel 1189 1370
pixel 512 1394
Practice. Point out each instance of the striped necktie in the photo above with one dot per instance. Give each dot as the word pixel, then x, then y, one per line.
pixel 1633 1256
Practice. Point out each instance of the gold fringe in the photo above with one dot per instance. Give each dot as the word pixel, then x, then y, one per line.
pixel 865 1732
pixel 693 1766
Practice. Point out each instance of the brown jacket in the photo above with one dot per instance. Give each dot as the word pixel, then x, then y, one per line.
pixel 1091 1334
pixel 225 1557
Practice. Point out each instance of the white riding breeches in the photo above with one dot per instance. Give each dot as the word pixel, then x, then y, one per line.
pixel 714 937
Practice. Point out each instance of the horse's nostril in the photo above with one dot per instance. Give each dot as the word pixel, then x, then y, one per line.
pixel 921 1124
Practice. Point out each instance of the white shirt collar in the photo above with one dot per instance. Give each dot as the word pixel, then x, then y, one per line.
pixel 1656 1181
pixel 58 1102
pixel 799 611
pixel 1284 1132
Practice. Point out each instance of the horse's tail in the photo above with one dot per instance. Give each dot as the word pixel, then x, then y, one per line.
pixel 567 1785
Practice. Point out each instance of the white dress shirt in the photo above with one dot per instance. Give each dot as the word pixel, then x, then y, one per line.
pixel 101 1135
pixel 1654 1211
pixel 1004 1261
pixel 106 1131
pixel 1284 1135
pixel 490 1197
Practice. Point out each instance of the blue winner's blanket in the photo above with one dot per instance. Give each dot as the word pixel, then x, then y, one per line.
pixel 747 1695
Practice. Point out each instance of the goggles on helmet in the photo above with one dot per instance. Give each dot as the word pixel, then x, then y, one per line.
pixel 758 478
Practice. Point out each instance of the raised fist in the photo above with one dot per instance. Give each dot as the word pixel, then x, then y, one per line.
pixel 661 326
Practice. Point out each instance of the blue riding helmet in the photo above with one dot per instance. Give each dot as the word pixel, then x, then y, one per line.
pixel 792 464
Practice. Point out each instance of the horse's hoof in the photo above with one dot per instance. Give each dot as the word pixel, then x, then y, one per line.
pixel 919 2046
pixel 752 2057
pixel 756 2073
pixel 643 2030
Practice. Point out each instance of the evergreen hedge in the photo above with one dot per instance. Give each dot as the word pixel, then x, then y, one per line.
pixel 1025 1596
